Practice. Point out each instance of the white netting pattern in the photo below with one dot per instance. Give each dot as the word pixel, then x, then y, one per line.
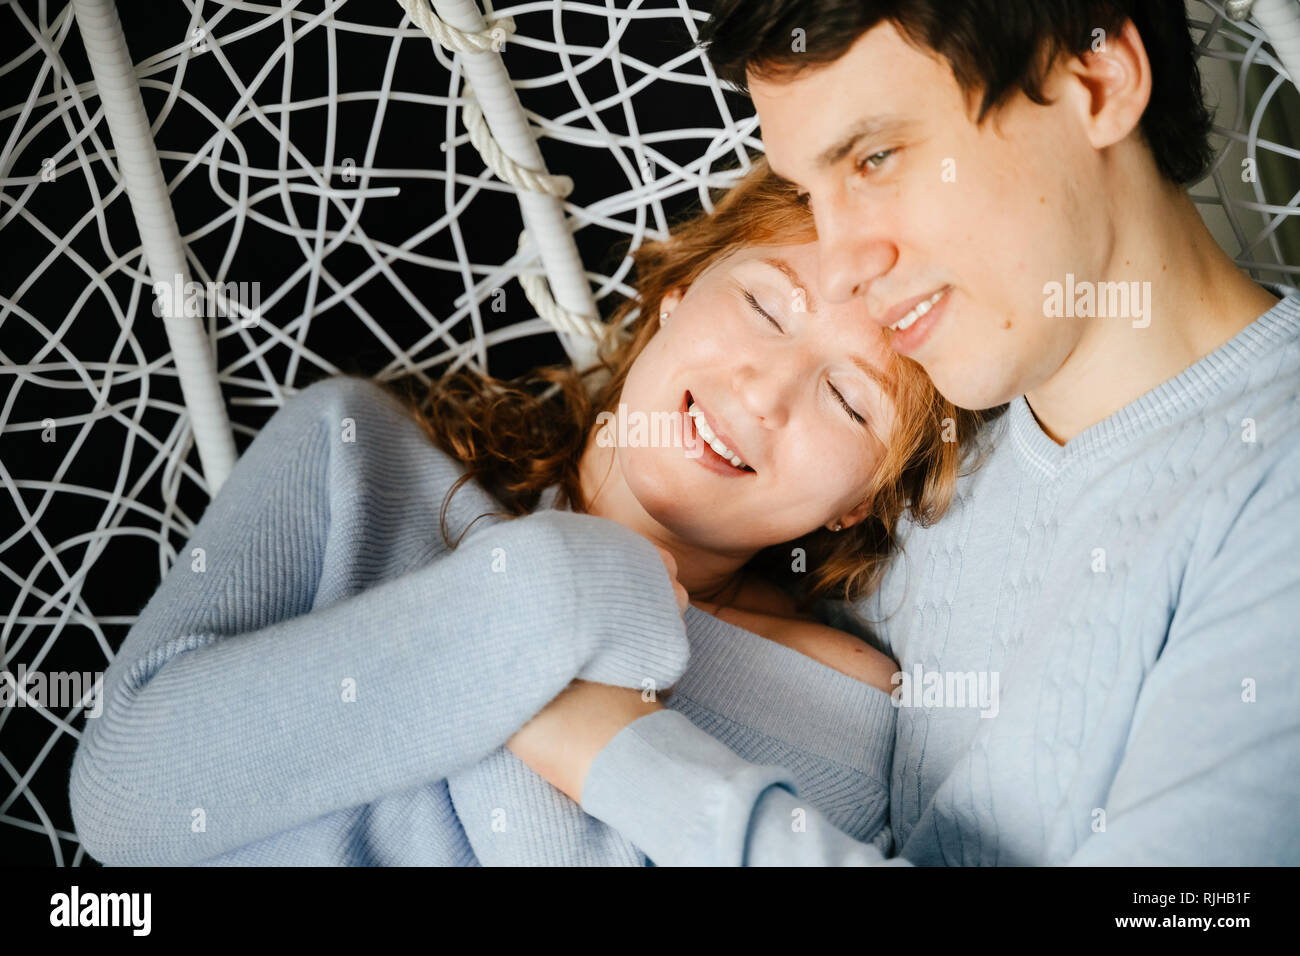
pixel 328 207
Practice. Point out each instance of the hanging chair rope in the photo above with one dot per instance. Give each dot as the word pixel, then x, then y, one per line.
pixel 452 39
pixel 506 169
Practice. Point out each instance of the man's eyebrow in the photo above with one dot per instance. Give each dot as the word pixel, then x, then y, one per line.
pixel 788 271
pixel 864 128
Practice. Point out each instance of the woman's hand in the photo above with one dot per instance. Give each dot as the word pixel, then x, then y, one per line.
pixel 561 742
pixel 670 563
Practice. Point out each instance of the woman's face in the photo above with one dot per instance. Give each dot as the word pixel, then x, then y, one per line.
pixel 786 382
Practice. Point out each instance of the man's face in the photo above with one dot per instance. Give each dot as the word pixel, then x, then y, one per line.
pixel 927 207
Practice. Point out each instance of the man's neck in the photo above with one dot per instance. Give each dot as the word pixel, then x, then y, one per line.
pixel 1195 299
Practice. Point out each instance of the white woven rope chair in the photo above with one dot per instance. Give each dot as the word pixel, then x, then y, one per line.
pixel 393 189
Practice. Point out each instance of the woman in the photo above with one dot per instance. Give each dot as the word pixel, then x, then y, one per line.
pixel 333 676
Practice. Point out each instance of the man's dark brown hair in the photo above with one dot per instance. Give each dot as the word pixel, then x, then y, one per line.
pixel 995 47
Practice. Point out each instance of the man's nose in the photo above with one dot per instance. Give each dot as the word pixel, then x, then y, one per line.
pixel 850 252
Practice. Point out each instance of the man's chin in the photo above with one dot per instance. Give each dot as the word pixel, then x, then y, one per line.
pixel 973 395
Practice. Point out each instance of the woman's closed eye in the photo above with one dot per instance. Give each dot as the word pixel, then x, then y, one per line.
pixel 839 397
pixel 847 407
pixel 753 302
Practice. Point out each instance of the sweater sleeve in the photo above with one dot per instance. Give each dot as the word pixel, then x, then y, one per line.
pixel 236 708
pixel 771 704
pixel 686 799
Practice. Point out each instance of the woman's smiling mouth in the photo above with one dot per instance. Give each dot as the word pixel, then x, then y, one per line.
pixel 699 432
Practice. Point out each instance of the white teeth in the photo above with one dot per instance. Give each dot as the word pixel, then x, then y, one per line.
pixel 702 426
pixel 917 311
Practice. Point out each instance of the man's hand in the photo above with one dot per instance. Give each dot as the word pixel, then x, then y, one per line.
pixel 562 741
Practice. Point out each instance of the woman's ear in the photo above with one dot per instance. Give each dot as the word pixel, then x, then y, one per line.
pixel 668 304
pixel 853 517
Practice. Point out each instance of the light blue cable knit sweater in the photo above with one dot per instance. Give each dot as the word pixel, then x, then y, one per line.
pixel 320 681
pixel 1137 592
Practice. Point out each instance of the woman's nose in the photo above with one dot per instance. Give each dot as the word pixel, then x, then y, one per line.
pixel 764 388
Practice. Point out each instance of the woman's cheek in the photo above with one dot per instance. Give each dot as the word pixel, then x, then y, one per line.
pixel 845 467
pixel 715 330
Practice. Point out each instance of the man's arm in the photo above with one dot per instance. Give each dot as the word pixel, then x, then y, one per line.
pixel 1210 776
pixel 683 797
pixel 686 799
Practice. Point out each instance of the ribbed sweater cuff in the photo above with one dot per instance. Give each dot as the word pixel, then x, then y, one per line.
pixel 682 797
pixel 625 601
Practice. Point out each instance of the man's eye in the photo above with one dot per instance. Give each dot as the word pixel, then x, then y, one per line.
pixel 847 407
pixel 749 297
pixel 875 160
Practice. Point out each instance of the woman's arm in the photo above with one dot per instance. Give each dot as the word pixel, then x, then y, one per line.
pixel 698 796
pixel 234 710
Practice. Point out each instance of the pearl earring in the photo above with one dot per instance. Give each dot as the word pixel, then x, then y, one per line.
pixel 837 527
pixel 662 316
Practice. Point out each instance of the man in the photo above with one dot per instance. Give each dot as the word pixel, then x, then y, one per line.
pixel 1119 583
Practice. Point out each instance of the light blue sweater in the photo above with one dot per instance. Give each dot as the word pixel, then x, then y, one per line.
pixel 320 681
pixel 1137 593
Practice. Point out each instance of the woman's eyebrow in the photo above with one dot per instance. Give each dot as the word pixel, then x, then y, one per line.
pixel 788 271
pixel 871 371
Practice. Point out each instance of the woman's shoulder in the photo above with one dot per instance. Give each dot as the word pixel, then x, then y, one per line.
pixel 363 417
pixel 342 396
pixel 768 611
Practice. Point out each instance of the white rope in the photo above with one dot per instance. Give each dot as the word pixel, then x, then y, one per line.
pixel 1280 21
pixel 539 296
pixel 450 38
pixel 581 325
pixel 505 168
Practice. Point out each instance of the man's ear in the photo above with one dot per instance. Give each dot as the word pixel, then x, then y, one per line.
pixel 1112 84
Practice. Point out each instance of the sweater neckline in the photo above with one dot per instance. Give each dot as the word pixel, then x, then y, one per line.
pixel 1167 402
pixel 549 498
